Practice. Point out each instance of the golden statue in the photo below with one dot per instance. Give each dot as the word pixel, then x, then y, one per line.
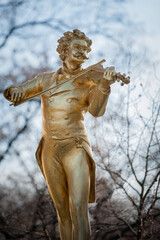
pixel 64 152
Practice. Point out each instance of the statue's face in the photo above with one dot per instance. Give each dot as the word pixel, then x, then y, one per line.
pixel 77 51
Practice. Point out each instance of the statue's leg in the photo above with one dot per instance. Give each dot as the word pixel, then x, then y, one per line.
pixel 76 166
pixel 57 185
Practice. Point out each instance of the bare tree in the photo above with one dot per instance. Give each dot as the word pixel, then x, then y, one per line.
pixel 125 142
pixel 132 160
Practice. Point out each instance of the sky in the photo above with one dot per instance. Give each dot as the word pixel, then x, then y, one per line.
pixel 147 13
pixel 143 13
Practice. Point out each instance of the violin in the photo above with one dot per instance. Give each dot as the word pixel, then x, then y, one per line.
pixel 96 72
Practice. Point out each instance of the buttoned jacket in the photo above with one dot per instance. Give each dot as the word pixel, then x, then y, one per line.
pixel 63 110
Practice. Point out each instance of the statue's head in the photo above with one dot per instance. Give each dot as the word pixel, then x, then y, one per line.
pixel 74 45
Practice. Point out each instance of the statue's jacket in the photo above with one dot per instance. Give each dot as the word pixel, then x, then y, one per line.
pixel 63 111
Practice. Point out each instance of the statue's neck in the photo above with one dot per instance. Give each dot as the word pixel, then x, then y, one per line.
pixel 71 68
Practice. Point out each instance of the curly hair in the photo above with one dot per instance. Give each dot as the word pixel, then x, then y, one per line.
pixel 64 42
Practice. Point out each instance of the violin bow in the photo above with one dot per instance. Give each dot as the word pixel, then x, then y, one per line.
pixel 57 86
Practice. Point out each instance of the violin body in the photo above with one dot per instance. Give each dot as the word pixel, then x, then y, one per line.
pixel 98 72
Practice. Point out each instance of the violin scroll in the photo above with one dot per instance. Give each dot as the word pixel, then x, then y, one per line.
pixel 122 78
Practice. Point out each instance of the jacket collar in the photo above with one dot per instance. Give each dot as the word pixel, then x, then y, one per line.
pixel 66 71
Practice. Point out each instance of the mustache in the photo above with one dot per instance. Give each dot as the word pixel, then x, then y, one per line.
pixel 82 55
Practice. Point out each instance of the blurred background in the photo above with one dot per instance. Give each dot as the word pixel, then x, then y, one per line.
pixel 125 141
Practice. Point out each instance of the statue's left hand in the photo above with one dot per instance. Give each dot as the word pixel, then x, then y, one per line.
pixel 111 76
pixel 107 80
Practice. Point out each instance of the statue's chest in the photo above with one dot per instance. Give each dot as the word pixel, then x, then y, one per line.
pixel 69 96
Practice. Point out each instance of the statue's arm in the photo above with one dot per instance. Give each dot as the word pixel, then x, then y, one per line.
pixel 15 93
pixel 97 100
pixel 99 93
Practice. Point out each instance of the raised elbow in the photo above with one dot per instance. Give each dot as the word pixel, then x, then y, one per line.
pixel 97 113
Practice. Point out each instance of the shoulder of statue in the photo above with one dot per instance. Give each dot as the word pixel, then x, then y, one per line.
pixel 48 74
pixel 48 77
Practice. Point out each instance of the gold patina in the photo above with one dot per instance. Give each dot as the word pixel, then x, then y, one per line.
pixel 64 152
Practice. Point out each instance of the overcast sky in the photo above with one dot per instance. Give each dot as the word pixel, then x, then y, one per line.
pixel 145 13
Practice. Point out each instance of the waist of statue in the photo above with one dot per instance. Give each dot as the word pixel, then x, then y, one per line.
pixel 59 131
pixel 63 139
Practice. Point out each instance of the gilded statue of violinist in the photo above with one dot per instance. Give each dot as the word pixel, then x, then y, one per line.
pixel 64 153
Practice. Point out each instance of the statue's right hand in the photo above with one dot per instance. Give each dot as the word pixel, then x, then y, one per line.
pixel 14 94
